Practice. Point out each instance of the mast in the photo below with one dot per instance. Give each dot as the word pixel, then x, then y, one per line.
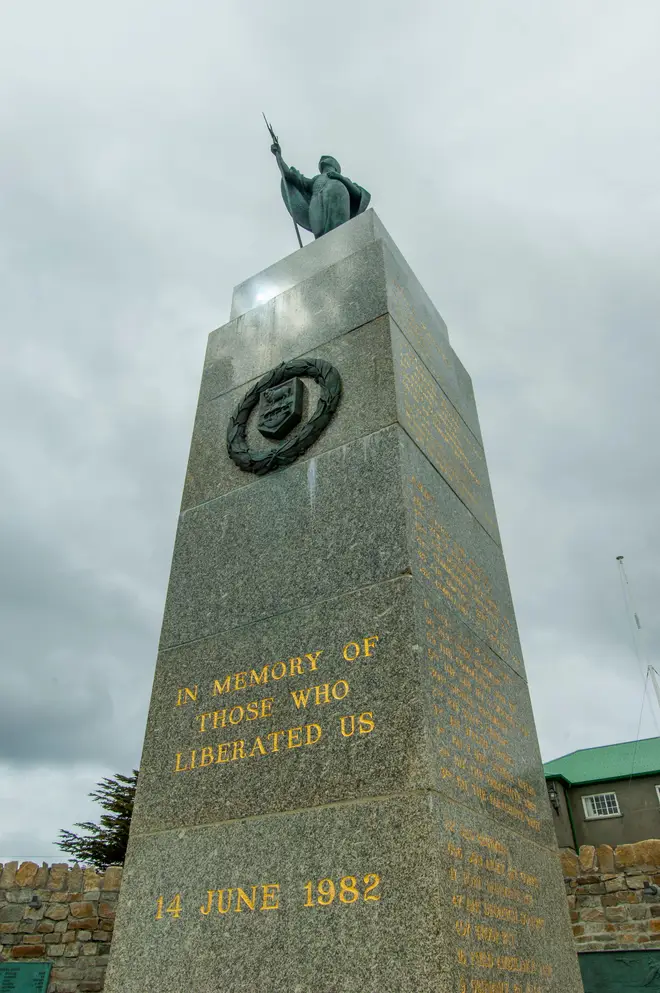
pixel 648 672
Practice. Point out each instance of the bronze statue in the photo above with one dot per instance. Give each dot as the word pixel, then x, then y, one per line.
pixel 323 203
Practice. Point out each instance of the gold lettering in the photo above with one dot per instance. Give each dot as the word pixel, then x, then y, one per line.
pixel 219 717
pixel 296 667
pixel 282 671
pixel 348 652
pixel 240 680
pixel 313 659
pixel 267 706
pixel 242 895
pixel 322 691
pixel 238 709
pixel 258 745
pixel 370 643
pixel 296 743
pixel 207 756
pixel 335 689
pixel 366 722
pixel 351 726
pixel 271 893
pixel 308 728
pixel 208 905
pixel 222 753
pixel 275 736
pixel 239 747
pixel 251 711
pixel 219 687
pixel 202 719
pixel 178 764
pixel 259 677
pixel 300 697
pixel 192 759
pixel 185 694
pixel 221 909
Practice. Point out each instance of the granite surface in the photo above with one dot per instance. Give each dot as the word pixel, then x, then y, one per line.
pixel 455 559
pixel 294 536
pixel 388 939
pixel 305 263
pixel 341 298
pixel 432 898
pixel 319 528
pixel 480 725
pixel 317 256
pixel 504 907
pixel 437 428
pixel 362 357
pixel 419 321
pixel 356 720
pixel 330 301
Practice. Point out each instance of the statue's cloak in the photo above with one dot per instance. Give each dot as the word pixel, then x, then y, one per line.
pixel 300 196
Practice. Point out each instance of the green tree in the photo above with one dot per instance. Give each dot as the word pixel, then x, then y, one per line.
pixel 105 843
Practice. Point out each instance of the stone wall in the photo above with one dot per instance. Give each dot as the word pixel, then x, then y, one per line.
pixel 606 898
pixel 71 927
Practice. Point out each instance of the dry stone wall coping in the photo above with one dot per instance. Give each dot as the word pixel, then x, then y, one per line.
pixel 70 923
pixel 610 898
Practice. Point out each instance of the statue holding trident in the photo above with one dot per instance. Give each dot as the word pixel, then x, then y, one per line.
pixel 323 203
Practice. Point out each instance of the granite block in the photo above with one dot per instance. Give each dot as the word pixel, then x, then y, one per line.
pixel 435 425
pixel 505 907
pixel 341 298
pixel 318 255
pixel 319 528
pixel 307 262
pixel 431 899
pixel 421 324
pixel 468 402
pixel 456 560
pixel 480 725
pixel 440 710
pixel 388 939
pixel 357 718
pixel 364 360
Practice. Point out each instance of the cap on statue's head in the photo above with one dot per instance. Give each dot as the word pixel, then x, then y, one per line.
pixel 329 160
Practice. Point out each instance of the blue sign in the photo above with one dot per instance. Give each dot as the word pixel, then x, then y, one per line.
pixel 24 977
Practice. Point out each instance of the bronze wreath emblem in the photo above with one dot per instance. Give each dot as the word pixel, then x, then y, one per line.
pixel 303 437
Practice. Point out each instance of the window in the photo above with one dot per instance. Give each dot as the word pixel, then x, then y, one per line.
pixel 600 805
pixel 657 790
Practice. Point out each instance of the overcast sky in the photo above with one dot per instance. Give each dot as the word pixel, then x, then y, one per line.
pixel 512 149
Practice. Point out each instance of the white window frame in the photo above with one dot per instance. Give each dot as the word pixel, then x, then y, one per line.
pixel 589 816
pixel 657 790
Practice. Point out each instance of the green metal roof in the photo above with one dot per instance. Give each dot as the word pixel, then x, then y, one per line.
pixel 591 765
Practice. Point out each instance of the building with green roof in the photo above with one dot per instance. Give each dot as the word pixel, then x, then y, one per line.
pixel 608 795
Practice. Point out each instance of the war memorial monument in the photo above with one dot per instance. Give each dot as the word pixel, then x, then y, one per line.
pixel 341 788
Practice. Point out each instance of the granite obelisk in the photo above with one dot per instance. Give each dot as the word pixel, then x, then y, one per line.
pixel 341 787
